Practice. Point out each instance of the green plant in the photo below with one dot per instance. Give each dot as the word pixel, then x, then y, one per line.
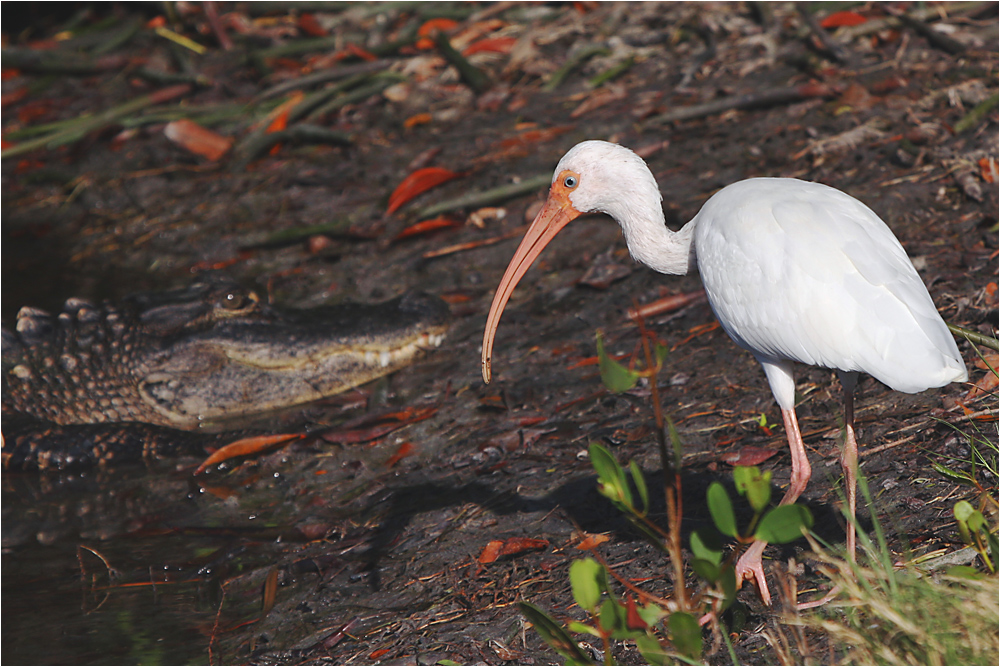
pixel 664 630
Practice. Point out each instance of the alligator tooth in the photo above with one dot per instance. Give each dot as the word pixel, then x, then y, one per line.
pixel 384 358
pixel 33 323
pixel 369 357
pixel 76 304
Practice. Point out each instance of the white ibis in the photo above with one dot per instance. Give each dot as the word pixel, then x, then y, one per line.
pixel 794 271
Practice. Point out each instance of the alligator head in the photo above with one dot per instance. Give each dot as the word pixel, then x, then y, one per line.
pixel 205 354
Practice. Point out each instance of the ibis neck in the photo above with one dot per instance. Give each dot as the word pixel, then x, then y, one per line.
pixel 660 248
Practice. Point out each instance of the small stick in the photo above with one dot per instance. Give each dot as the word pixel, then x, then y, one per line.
pixel 471 75
pixel 88 124
pixel 575 61
pixel 487 197
pixel 472 245
pixel 934 37
pixel 329 74
pixel 767 98
pixel 974 336
pixel 830 45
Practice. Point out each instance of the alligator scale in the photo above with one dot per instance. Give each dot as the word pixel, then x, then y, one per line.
pixel 202 356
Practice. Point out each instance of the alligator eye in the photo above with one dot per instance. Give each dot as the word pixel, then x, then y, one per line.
pixel 238 301
pixel 570 182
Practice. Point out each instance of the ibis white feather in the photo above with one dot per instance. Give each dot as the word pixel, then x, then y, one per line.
pixel 794 271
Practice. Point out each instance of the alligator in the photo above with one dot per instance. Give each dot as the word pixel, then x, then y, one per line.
pixel 119 382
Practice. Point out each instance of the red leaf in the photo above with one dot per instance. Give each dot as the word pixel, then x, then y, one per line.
pixel 591 541
pixel 516 545
pixel 842 19
pixel 417 119
pixel 361 53
pixel 749 456
pixel 434 25
pixel 310 26
pixel 425 226
pixel 491 44
pixel 280 122
pixel 428 29
pixel 246 447
pixel 491 551
pixel 988 169
pixel 404 450
pixel 417 183
pixel 197 139
pixel 632 619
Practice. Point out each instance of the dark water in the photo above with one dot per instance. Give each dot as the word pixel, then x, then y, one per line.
pixel 112 570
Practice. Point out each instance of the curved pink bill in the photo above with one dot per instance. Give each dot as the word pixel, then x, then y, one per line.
pixel 555 214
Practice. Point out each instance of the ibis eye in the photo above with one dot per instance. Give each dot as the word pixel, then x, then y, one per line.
pixel 570 182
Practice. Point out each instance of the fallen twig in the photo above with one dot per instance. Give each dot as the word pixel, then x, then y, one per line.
pixel 830 44
pixel 471 75
pixel 612 72
pixel 973 118
pixel 472 245
pixel 259 143
pixel 974 336
pixel 934 37
pixel 767 98
pixel 925 13
pixel 487 197
pixel 352 70
pixel 577 59
pixel 57 62
pixel 86 124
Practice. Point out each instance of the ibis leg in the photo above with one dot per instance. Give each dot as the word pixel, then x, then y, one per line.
pixel 849 460
pixel 751 562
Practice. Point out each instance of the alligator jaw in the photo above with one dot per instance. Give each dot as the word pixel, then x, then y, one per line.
pixel 245 383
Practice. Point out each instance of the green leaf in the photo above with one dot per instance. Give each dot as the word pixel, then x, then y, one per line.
pixel 615 377
pixel 651 613
pixel 965 572
pixel 753 484
pixel 958 476
pixel 706 545
pixel 705 569
pixel 963 510
pixel 577 626
pixel 554 634
pixel 640 484
pixel 784 524
pixel 610 475
pixel 685 634
pixel 661 352
pixel 728 580
pixel 588 579
pixel 651 650
pixel 722 509
pixel 612 616
pixel 675 442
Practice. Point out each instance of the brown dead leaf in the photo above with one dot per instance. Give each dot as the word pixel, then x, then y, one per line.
pixel 591 541
pixel 604 95
pixel 246 447
pixel 749 456
pixel 197 139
